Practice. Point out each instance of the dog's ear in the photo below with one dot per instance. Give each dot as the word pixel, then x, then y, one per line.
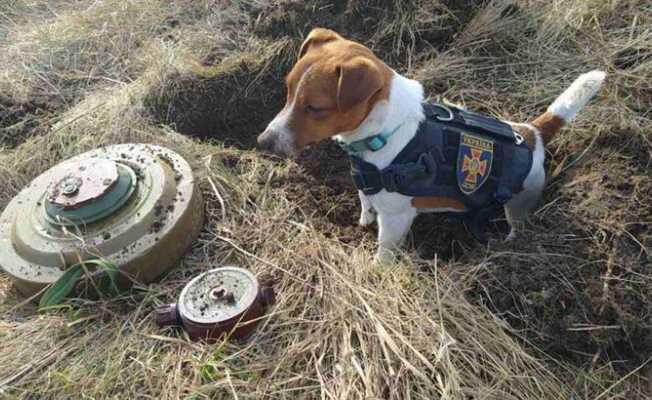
pixel 317 37
pixel 359 79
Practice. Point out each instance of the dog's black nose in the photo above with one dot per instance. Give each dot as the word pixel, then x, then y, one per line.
pixel 266 141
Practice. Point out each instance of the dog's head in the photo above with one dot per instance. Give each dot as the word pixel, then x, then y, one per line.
pixel 330 90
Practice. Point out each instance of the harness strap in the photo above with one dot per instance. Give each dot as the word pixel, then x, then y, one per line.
pixel 467 119
pixel 370 180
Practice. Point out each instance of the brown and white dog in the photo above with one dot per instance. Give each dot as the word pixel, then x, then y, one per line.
pixel 340 89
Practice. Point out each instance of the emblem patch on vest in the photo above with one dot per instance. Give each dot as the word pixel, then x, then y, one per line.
pixel 473 162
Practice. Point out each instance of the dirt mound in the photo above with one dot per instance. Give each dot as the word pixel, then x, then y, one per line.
pixel 578 283
pixel 394 28
pixel 20 121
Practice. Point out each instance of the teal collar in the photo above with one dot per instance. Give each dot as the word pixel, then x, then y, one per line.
pixel 371 143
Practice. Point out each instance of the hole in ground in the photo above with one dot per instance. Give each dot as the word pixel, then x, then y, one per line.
pixel 231 102
pixel 206 109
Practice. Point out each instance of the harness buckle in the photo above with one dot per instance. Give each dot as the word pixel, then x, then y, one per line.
pixel 360 182
pixel 391 177
pixel 518 138
pixel 428 161
pixel 375 143
pixel 450 116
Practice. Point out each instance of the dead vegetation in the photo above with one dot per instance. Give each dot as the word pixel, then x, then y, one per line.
pixel 566 313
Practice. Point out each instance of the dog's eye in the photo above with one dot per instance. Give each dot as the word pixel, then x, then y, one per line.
pixel 314 110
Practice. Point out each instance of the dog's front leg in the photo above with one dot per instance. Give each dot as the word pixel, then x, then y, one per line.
pixel 367 215
pixel 392 231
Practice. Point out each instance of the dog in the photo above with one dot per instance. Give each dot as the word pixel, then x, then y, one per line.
pixel 339 89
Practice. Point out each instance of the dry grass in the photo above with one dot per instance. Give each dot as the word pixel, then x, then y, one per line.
pixel 565 314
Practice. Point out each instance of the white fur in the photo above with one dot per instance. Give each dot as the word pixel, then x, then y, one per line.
pixel 520 206
pixel 402 110
pixel 368 214
pixel 569 103
pixel 284 141
pixel 279 129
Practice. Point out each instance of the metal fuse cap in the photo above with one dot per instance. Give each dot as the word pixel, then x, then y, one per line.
pixel 226 300
pixel 135 205
pixel 88 190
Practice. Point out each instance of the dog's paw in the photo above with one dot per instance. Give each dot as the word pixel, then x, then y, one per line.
pixel 512 236
pixel 367 218
pixel 384 256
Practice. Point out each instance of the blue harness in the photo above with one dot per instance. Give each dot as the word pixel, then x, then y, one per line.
pixel 477 160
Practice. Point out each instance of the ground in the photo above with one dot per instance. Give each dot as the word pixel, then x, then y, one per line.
pixel 563 312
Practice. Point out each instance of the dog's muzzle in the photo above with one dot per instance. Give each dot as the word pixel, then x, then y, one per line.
pixel 266 141
pixel 276 142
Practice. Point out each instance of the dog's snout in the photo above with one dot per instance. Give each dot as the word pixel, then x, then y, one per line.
pixel 271 141
pixel 276 141
pixel 266 141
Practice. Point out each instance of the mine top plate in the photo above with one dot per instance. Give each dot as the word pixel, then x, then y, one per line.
pixel 81 182
pixel 218 295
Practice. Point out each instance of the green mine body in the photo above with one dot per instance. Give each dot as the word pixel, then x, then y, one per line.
pixel 136 206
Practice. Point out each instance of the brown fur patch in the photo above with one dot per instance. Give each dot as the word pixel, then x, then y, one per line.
pixel 341 81
pixel 317 37
pixel 528 134
pixel 548 124
pixel 437 203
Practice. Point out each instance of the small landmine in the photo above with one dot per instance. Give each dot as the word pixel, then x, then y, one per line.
pixel 222 301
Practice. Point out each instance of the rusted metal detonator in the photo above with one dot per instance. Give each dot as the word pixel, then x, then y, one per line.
pixel 222 301
pixel 136 206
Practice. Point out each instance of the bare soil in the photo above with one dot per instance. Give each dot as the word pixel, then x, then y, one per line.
pixel 20 121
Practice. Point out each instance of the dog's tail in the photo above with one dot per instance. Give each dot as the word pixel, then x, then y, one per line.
pixel 565 108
